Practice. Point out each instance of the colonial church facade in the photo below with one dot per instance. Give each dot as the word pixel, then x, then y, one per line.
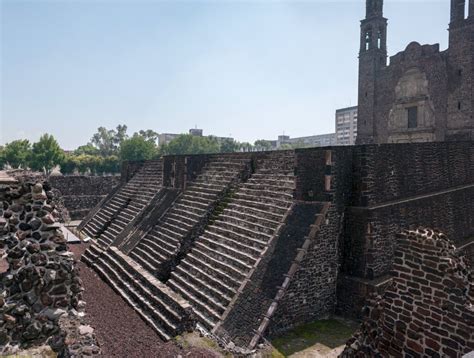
pixel 423 94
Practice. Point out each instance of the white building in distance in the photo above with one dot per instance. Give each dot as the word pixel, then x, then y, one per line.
pixel 346 126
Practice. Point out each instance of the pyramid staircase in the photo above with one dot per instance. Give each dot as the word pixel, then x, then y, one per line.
pixel 172 235
pixel 127 203
pixel 212 273
pixel 167 313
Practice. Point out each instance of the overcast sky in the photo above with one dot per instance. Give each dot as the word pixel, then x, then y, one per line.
pixel 252 69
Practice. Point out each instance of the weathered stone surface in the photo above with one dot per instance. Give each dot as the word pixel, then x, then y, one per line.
pixel 40 277
pixel 420 317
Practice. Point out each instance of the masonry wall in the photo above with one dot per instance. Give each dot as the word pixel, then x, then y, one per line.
pixel 386 173
pixel 427 310
pixel 396 187
pixel 312 291
pixel 81 193
pixel 252 303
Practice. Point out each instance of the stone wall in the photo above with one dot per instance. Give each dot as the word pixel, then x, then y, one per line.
pixel 391 188
pixel 392 172
pixel 40 290
pixel 427 310
pixel 311 294
pixel 81 193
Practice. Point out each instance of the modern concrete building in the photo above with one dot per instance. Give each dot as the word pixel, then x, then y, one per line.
pixel 319 140
pixel 346 126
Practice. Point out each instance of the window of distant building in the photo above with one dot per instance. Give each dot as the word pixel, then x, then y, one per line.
pixel 412 113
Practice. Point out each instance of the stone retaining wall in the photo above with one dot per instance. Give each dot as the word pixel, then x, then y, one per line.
pixel 427 310
pixel 40 285
pixel 81 193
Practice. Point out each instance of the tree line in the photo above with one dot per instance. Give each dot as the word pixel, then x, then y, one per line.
pixel 109 147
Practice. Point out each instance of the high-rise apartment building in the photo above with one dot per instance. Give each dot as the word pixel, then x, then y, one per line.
pixel 346 126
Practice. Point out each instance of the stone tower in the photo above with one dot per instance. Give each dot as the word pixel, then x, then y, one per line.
pixel 372 58
pixel 460 106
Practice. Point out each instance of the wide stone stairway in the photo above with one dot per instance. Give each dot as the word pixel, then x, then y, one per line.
pixel 124 206
pixel 205 246
pixel 160 246
pixel 167 313
pixel 209 277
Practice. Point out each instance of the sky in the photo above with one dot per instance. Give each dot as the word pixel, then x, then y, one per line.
pixel 246 69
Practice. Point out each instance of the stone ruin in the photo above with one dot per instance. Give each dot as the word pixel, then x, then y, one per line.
pixel 428 309
pixel 40 289
pixel 245 246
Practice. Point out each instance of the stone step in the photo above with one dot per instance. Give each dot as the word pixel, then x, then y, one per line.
pixel 193 204
pixel 262 198
pixel 168 232
pixel 216 262
pixel 269 184
pixel 179 230
pixel 207 187
pixel 269 193
pixel 239 204
pixel 186 223
pixel 163 237
pixel 197 262
pixel 243 254
pixel 258 225
pixel 159 241
pixel 272 178
pixel 131 297
pixel 207 283
pixel 207 315
pixel 182 209
pixel 239 229
pixel 213 306
pixel 199 194
pixel 255 216
pixel 187 220
pixel 140 292
pixel 219 255
pixel 91 254
pixel 197 200
pixel 136 256
pixel 252 248
pixel 152 259
pixel 160 249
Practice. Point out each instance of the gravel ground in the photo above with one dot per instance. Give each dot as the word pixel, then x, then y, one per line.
pixel 119 330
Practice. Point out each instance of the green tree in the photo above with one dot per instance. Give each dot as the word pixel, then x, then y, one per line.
pixel 148 135
pixel 110 164
pixel 87 149
pixel 189 144
pixel 246 146
pixel 17 153
pixel 228 145
pixel 2 157
pixel 68 164
pixel 263 144
pixel 46 154
pixel 137 148
pixel 108 141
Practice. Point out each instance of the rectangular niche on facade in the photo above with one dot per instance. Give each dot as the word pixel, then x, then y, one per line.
pixel 412 113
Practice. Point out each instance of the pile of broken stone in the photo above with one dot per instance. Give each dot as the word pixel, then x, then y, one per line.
pixel 40 289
